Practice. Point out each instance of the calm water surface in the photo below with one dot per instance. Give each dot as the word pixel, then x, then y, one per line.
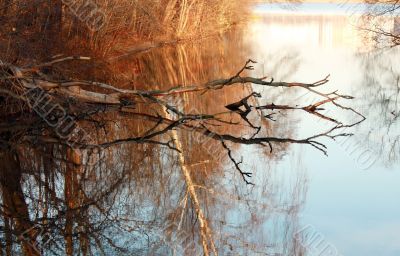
pixel 303 203
pixel 352 195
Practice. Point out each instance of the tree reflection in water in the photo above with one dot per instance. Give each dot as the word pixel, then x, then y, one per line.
pixel 146 198
pixel 380 88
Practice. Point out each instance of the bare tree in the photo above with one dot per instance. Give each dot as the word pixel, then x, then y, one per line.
pixel 88 104
pixel 382 23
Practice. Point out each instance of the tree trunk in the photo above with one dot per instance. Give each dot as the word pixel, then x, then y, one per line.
pixel 71 188
pixel 207 240
pixel 14 201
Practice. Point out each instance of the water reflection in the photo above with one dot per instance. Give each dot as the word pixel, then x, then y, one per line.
pixel 352 204
pixel 133 199
pixel 380 88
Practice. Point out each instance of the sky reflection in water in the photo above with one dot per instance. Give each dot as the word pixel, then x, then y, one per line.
pixel 354 207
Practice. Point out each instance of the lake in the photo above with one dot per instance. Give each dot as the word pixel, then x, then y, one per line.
pixel 324 182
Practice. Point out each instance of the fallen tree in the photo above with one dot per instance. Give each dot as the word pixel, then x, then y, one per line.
pixel 81 100
pixel 42 110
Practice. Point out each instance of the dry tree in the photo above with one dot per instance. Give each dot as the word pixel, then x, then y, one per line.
pixel 41 111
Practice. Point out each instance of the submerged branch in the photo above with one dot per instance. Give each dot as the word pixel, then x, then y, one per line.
pixel 83 100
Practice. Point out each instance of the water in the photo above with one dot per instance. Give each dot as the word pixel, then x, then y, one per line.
pixel 352 193
pixel 133 199
pixel 346 201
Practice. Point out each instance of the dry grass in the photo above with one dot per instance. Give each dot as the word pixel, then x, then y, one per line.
pixel 38 28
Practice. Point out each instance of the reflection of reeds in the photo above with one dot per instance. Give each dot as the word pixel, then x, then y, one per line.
pixel 134 187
